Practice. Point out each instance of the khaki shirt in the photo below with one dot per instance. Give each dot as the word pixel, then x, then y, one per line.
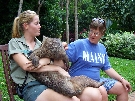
pixel 18 45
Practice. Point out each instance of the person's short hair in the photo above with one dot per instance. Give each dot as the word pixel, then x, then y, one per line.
pixel 98 23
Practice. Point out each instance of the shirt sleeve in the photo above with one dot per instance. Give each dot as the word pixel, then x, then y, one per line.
pixel 107 64
pixel 13 47
pixel 71 52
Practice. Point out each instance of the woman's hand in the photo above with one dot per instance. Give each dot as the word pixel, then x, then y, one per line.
pixel 63 72
pixel 113 74
pixel 42 62
pixel 60 63
pixel 126 84
pixel 65 45
pixel 30 66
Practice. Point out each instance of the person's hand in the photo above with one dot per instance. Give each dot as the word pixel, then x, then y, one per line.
pixel 65 45
pixel 60 63
pixel 63 72
pixel 126 85
pixel 30 66
pixel 42 62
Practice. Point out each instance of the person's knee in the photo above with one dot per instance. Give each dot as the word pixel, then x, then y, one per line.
pixel 122 90
pixel 74 98
pixel 118 89
pixel 96 94
pixel 91 94
pixel 103 91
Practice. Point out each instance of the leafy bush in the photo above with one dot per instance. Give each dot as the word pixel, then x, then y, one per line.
pixel 83 34
pixel 120 45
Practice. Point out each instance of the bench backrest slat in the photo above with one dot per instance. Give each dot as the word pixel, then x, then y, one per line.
pixel 11 86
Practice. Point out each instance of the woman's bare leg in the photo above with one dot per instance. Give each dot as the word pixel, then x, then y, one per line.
pixel 119 90
pixel 50 95
pixel 90 94
pixel 103 93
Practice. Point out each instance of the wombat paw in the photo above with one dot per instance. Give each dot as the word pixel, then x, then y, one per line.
pixel 35 62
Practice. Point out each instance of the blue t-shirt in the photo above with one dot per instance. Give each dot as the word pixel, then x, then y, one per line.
pixel 87 58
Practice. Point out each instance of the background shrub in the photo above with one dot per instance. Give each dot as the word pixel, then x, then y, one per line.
pixel 120 45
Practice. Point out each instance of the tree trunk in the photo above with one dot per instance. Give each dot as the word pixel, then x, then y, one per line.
pixel 67 25
pixel 76 21
pixel 20 7
pixel 40 4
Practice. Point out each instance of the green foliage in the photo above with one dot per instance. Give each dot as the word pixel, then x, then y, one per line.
pixel 86 11
pixel 53 19
pixel 53 15
pixel 83 34
pixel 118 11
pixel 120 45
pixel 9 10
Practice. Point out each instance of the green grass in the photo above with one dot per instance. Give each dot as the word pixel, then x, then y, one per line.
pixel 124 67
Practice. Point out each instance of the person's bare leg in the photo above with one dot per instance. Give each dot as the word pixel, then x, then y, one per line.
pixel 103 93
pixel 90 94
pixel 50 95
pixel 119 90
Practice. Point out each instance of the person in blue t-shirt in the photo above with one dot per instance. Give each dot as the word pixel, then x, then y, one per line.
pixel 88 57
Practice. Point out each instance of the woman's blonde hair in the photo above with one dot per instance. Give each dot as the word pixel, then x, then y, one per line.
pixel 24 17
pixel 98 23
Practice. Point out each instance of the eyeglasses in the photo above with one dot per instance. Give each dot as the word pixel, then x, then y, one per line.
pixel 99 20
pixel 92 32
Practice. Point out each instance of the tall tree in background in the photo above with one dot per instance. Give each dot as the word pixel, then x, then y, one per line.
pixel 20 7
pixel 40 4
pixel 67 25
pixel 76 21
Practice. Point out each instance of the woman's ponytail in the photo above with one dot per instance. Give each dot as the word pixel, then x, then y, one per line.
pixel 15 29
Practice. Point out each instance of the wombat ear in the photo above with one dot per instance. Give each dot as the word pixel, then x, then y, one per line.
pixel 44 38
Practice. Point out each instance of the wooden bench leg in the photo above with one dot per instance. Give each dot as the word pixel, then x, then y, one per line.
pixel 0 96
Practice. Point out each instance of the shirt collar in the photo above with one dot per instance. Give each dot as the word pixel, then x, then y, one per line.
pixel 22 40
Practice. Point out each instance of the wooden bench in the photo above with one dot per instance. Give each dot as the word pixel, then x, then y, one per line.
pixel 11 86
pixel 0 95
